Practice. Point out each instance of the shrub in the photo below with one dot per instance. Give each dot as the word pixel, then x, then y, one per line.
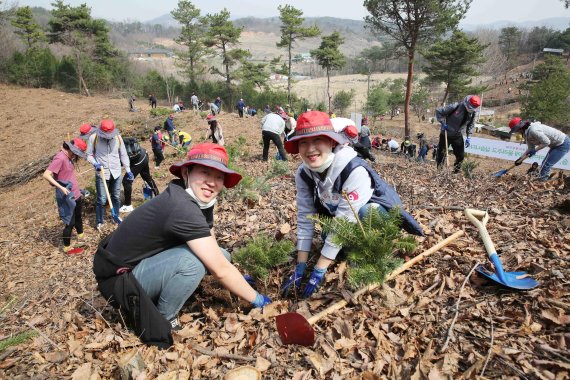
pixel 160 111
pixel 468 168
pixel 262 254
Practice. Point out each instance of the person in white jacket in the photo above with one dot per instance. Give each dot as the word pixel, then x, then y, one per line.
pixel 329 169
pixel 272 127
pixel 537 137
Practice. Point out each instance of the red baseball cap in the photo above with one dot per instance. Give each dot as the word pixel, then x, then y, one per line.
pixel 213 156
pixel 310 124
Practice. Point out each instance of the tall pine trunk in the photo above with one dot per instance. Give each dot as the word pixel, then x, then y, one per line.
pixel 409 83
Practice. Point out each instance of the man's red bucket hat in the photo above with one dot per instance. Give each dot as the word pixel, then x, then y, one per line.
pixel 213 156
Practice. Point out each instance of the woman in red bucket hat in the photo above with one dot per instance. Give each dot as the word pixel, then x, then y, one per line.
pixel 166 246
pixel 331 167
pixel 61 175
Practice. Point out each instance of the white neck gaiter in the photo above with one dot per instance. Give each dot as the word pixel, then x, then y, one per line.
pixel 325 164
pixel 202 205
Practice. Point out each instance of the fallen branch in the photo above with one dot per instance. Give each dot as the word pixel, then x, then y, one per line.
pixel 450 331
pixel 42 335
pixel 222 355
pixel 490 346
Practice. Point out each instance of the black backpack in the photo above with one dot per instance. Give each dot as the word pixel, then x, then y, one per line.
pixel 133 148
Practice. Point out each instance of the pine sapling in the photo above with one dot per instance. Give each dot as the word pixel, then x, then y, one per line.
pixel 262 254
pixel 370 243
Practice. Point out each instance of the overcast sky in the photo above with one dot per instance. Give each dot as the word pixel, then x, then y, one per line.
pixel 481 11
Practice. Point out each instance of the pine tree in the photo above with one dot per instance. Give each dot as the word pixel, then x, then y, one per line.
pixel 291 31
pixel 192 36
pixel 330 58
pixel 261 255
pixel 412 23
pixel 370 244
pixel 453 62
pixel 27 27
pixel 224 36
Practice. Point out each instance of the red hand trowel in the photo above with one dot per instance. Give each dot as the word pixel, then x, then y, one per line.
pixel 293 328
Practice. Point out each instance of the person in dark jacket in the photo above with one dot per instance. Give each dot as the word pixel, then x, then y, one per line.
pixel 167 245
pixel 456 118
pixel 139 165
pixel 61 175
pixel 152 101
pixel 331 167
pixel 157 146
pixel 240 106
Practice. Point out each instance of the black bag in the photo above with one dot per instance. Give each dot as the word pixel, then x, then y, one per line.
pixel 133 148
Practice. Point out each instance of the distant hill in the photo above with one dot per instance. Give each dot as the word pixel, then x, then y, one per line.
pixel 556 23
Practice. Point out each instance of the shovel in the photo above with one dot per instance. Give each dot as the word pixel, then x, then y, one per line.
pixel 513 280
pixel 114 212
pixel 293 328
pixel 502 172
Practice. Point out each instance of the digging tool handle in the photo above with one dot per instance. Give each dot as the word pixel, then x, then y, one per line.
pixel 474 215
pixel 446 151
pixel 340 304
pixel 102 174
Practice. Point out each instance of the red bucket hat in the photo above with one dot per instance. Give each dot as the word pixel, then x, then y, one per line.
pixel 107 129
pixel 78 147
pixel 472 102
pixel 213 156
pixel 516 124
pixel 310 124
pixel 85 128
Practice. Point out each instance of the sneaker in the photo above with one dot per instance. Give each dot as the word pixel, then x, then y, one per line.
pixel 126 208
pixel 75 251
pixel 175 324
pixel 99 227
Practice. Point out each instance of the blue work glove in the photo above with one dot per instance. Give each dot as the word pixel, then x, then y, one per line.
pixel 294 280
pixel 130 176
pixel 250 280
pixel 314 282
pixel 531 152
pixel 261 300
pixel 97 166
pixel 444 127
pixel 467 142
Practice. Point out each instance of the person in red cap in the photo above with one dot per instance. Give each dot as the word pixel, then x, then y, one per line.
pixel 331 167
pixel 86 130
pixel 456 118
pixel 61 175
pixel 215 130
pixel 167 245
pixel 106 149
pixel 537 137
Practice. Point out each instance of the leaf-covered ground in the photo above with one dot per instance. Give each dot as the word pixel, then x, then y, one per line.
pixel 430 322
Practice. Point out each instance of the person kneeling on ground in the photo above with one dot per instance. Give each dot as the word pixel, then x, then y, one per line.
pixel 329 169
pixel 537 137
pixel 158 256
pixel 61 175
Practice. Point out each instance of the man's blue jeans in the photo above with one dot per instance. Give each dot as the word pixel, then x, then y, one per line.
pixel 171 277
pixel 554 155
pixel 422 154
pixel 114 185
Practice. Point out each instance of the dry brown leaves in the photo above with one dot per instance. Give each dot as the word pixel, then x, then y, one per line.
pixel 395 332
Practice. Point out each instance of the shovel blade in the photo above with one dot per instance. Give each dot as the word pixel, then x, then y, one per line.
pixel 512 279
pixel 293 328
pixel 501 173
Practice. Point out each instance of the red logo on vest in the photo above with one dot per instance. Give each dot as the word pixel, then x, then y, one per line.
pixel 353 196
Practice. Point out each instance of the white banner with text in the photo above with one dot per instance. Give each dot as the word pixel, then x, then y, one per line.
pixel 510 150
